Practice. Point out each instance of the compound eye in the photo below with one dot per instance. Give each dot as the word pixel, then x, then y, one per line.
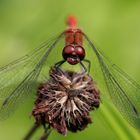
pixel 67 51
pixel 80 51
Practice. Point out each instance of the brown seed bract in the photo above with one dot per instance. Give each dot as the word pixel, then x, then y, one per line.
pixel 65 100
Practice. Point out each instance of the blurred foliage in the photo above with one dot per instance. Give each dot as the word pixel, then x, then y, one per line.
pixel 114 25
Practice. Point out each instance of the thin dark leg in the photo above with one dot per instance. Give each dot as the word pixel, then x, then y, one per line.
pixel 31 131
pixel 46 133
pixel 58 64
pixel 83 66
pixel 89 64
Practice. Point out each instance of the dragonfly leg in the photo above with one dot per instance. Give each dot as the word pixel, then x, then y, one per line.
pixel 89 64
pixel 58 64
pixel 83 66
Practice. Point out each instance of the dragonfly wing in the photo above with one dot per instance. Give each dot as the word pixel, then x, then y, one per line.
pixel 123 90
pixel 19 78
pixel 18 95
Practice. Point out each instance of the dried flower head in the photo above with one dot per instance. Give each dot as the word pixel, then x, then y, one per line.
pixel 65 100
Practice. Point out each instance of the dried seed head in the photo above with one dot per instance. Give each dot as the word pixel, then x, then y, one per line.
pixel 65 100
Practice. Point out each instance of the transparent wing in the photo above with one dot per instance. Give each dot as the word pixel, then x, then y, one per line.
pixel 123 90
pixel 12 73
pixel 20 78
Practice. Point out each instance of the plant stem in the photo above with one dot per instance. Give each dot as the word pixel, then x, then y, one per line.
pixel 31 131
pixel 46 134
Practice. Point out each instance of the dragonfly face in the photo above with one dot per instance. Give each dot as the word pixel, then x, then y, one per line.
pixel 73 54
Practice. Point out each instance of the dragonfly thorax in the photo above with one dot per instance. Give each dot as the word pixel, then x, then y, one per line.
pixel 73 36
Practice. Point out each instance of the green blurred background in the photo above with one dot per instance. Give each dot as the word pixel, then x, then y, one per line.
pixel 114 25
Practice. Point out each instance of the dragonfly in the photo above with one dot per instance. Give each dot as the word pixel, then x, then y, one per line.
pixel 19 79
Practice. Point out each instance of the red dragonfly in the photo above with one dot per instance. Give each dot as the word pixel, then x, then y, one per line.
pixel 22 77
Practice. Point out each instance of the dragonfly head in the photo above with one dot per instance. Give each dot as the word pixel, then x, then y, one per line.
pixel 73 54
